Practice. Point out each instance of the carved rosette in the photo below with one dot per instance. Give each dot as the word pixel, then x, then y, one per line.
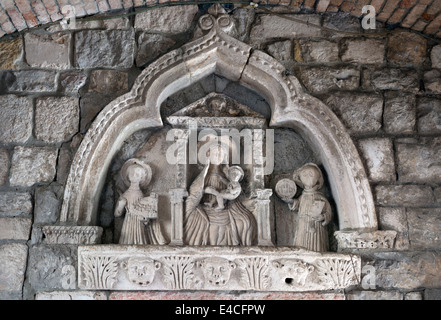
pixel 117 267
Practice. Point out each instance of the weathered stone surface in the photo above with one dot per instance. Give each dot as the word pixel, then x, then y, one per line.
pixel 72 234
pixel 15 228
pixel 172 20
pixel 399 112
pixel 13 258
pixel 424 228
pixel 374 295
pixel 270 27
pixel 244 19
pixel 151 46
pixel 107 24
pixel 405 270
pixel 48 262
pixel 404 195
pixel 319 79
pixel 432 294
pixel 206 295
pixel 47 205
pixel 413 296
pixel 432 81
pixel 390 79
pixel 342 21
pixel 90 105
pixel 4 165
pixel 71 295
pixel 31 81
pixel 419 162
pixel 379 158
pixel 104 49
pixel 32 165
pixel 406 48
pixel 316 51
pixel 11 52
pixel 281 50
pixel 429 115
pixel 109 82
pixel 48 51
pixel 360 112
pixel 16 114
pixel 435 56
pixel 56 118
pixel 395 219
pixel 15 203
pixel 437 193
pixel 364 51
pixel 72 81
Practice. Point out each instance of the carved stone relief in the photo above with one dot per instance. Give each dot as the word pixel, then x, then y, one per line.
pixel 214 268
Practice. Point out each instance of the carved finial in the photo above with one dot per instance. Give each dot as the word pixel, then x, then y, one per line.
pixel 216 10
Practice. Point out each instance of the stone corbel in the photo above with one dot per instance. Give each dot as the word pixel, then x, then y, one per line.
pixel 72 234
pixel 365 240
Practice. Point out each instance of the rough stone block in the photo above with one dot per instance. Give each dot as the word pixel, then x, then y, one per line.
pixel 31 81
pixel 390 79
pixel 379 158
pixel 424 228
pixel 374 295
pixel 176 19
pixel 151 46
pixel 429 115
pixel 11 52
pixel 437 193
pixel 419 162
pixel 395 219
pixel 320 79
pixel 399 112
pixel 359 112
pixel 48 262
pixel 406 48
pixel 341 21
pixel 13 258
pixel 269 27
pixel 104 49
pixel 16 114
pixel 48 51
pixel 47 205
pixel 281 50
pixel 364 51
pixel 404 195
pixel 413 296
pixel 90 105
pixel 435 56
pixel 4 165
pixel 15 228
pixel 109 82
pixel 15 203
pixel 71 295
pixel 56 118
pixel 316 51
pixel 432 294
pixel 432 81
pixel 32 165
pixel 72 81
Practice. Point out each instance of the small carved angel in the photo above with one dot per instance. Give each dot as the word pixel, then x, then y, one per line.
pixel 140 223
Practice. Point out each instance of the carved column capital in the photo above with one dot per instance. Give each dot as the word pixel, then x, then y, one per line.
pixel 177 195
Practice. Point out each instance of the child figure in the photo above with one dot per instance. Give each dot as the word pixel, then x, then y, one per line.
pixel 232 190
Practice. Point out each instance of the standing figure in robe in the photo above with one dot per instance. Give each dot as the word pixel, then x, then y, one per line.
pixel 141 225
pixel 314 210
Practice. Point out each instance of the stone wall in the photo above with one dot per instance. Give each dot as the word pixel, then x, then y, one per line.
pixel 386 89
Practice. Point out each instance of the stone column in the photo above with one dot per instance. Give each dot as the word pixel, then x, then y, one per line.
pixel 264 217
pixel 177 216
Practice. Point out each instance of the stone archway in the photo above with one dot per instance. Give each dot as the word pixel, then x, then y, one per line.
pixel 216 51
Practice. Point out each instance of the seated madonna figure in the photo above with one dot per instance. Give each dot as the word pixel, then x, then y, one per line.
pixel 230 223
pixel 140 225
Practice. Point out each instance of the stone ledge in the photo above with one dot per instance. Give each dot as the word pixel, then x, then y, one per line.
pixel 72 234
pixel 367 240
pixel 261 269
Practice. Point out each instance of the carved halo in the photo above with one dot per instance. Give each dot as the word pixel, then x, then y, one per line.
pixel 124 174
